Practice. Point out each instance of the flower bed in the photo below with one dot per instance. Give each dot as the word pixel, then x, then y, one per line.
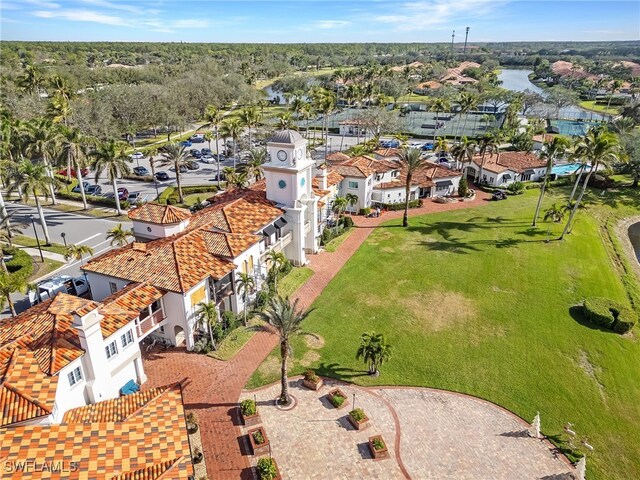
pixel 311 380
pixel 249 413
pixel 378 447
pixel 259 441
pixel 338 398
pixel 358 419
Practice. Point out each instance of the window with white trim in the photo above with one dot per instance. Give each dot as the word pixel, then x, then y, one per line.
pixel 353 184
pixel 113 288
pixel 111 349
pixel 127 338
pixel 75 376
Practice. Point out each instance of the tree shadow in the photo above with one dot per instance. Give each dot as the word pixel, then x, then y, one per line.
pixel 577 313
pixel 516 434
pixel 558 476
pixel 334 370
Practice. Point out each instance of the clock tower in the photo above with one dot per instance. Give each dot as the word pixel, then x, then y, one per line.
pixel 289 173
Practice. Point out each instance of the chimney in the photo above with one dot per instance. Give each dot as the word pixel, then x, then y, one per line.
pixel 323 176
pixel 94 362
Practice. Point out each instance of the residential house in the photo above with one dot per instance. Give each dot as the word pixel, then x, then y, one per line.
pixel 353 128
pixel 506 167
pixel 142 435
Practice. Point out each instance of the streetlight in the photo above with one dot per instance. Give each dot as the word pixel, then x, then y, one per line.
pixel 64 239
pixel 37 239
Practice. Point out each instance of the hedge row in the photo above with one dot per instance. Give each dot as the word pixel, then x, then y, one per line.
pixel 400 206
pixel 609 314
pixel 21 263
pixel 67 194
pixel 170 194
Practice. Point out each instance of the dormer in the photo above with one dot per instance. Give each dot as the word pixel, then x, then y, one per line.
pixel 152 220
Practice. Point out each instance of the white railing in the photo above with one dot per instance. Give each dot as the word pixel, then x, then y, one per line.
pixel 149 324
pixel 280 244
pixel 307 227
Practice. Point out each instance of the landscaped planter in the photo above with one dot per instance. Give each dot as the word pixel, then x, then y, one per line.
pixel 358 419
pixel 378 447
pixel 312 381
pixel 259 441
pixel 267 469
pixel 249 413
pixel 334 397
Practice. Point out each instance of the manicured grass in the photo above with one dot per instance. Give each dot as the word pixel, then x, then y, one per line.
pixel 192 199
pixel 592 105
pixel 44 268
pixel 333 245
pixel 236 339
pixel 476 301
pixel 294 280
pixel 24 241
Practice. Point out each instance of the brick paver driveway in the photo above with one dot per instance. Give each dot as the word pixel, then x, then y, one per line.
pixel 211 388
pixel 431 434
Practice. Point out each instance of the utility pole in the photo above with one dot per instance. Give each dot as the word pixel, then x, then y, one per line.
pixel 453 36
pixel 466 36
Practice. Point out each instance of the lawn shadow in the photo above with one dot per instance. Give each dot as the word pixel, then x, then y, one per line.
pixel 333 370
pixel 577 314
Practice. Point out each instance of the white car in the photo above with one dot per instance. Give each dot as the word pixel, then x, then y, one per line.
pixel 137 155
pixel 207 159
pixel 416 145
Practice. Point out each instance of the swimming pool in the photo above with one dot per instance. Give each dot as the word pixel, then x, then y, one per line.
pixel 566 169
pixel 572 127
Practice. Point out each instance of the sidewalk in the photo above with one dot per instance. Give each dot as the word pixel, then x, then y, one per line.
pixel 34 252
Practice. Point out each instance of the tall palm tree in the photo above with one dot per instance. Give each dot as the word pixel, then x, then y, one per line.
pixel 253 167
pixel 77 252
pixel 151 152
pixel 245 285
pixel 43 138
pixel 32 180
pixel 119 236
pixel 326 103
pixel 175 154
pixel 488 143
pixel 32 81
pixel 613 86
pixel 598 147
pixel 439 105
pixel 287 320
pixel 9 284
pixel 207 316
pixel 75 149
pixel 352 199
pixel 411 160
pixel 551 151
pixel 468 101
pixel 276 260
pixel 373 350
pixel 236 178
pixel 339 206
pixel 250 117
pixel 60 86
pixel 285 121
pixel 554 214
pixel 213 115
pixel 464 151
pixel 111 156
pixel 8 230
pixel 232 129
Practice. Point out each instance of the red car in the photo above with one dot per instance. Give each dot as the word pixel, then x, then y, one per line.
pixel 63 172
pixel 123 193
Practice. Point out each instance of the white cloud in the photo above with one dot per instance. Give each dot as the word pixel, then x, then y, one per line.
pixel 430 13
pixel 115 6
pixel 82 16
pixel 42 3
pixel 326 24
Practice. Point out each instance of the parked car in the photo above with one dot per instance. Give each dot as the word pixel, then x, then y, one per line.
pixel 140 171
pixel 183 169
pixel 63 172
pixel 123 193
pixel 206 151
pixel 208 159
pixel 390 143
pixel 197 138
pixel 133 198
pixel 195 153
pixel 162 176
pixel 76 189
pixel 499 195
pixel 427 147
pixel 186 143
pixel 137 155
pixel 93 190
pixel 222 176
pixel 416 145
pixel 193 165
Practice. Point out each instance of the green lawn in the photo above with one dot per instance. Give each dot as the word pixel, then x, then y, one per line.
pixel 192 199
pixel 592 105
pixel 476 301
pixel 294 280
pixel 25 241
pixel 333 245
pixel 236 339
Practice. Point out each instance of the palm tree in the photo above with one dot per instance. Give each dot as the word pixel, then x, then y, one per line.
pixel 112 157
pixel 59 109
pixel 276 260
pixel 7 229
pixel 213 115
pixel 152 152
pixel 598 146
pixel 232 129
pixel 352 199
pixel 253 167
pixel 287 320
pixel 468 101
pixel 32 81
pixel 488 143
pixel 554 149
pixel 74 145
pixel 175 154
pixel 119 236
pixel 207 316
pixel 31 179
pixel 43 138
pixel 554 214
pixel 246 285
pixel 9 284
pixel 236 178
pixel 441 145
pixel 339 206
pixel 373 350
pixel 250 117
pixel 412 161
pixel 464 151
pixel 439 105
pixel 613 86
pixel 77 252
pixel 285 121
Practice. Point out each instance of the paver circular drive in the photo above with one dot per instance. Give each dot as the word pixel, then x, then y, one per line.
pixel 442 435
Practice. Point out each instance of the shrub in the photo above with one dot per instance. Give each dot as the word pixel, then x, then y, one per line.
pixel 21 263
pixel 609 314
pixel 286 268
pixel 202 346
pixel 337 399
pixel 248 407
pixel 229 320
pixel 140 178
pixel 463 186
pixel 400 206
pixel 346 222
pixel 266 469
pixel 358 414
pixel 262 299
pixel 364 211
pixel 258 437
pixel 310 376
pixel 378 444
pixel 516 188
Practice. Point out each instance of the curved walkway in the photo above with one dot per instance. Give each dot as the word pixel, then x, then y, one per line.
pixel 431 434
pixel 211 387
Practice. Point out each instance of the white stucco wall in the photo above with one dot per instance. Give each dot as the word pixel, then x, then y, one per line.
pixel 146 230
pixel 100 285
pixel 67 396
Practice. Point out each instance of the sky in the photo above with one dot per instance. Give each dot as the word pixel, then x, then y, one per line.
pixel 304 21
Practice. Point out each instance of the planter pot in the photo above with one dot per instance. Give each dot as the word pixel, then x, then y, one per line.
pixel 197 458
pixel 378 454
pixel 262 448
pixel 312 385
pixel 278 476
pixel 338 392
pixel 359 425
pixel 250 420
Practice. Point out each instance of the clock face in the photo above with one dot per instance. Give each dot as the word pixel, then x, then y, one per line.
pixel 302 182
pixel 282 184
pixel 298 154
pixel 282 155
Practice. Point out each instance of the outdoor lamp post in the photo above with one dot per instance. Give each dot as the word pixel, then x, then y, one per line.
pixel 64 239
pixel 33 223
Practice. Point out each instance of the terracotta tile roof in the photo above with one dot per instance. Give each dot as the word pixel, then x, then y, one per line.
pixel 333 178
pixel 124 306
pixel 515 161
pixel 388 152
pixel 229 244
pixel 635 67
pixel 159 214
pixel 149 442
pixel 424 177
pixel 432 84
pixel 566 69
pixel 337 157
pixel 362 167
pixel 462 67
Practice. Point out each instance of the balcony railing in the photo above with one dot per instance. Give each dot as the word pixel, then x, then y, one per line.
pixel 279 244
pixel 307 227
pixel 148 324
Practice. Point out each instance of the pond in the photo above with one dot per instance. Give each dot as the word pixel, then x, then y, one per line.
pixel 634 236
